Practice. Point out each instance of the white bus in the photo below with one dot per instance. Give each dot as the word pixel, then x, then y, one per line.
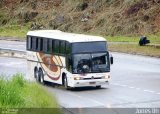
pixel 72 60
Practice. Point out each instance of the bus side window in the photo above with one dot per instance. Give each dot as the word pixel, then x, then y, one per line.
pixel 45 45
pixel 36 43
pixel 49 45
pixel 62 47
pixel 52 46
pixel 56 46
pixel 69 63
pixel 40 44
pixel 29 42
pixel 68 48
pixel 33 47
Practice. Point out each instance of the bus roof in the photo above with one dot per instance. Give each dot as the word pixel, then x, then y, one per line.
pixel 70 37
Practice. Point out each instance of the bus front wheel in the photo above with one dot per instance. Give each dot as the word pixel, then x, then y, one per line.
pixel 65 82
pixel 98 87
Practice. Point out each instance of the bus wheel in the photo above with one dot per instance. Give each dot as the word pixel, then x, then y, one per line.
pixel 65 82
pixel 35 73
pixel 98 87
pixel 37 76
pixel 41 77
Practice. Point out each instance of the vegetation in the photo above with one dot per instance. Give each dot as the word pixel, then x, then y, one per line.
pixel 117 20
pixel 15 31
pixel 19 93
pixel 104 17
pixel 154 39
pixel 136 49
pixel 131 45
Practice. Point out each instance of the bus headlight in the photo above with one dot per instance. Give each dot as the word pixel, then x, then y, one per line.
pixel 106 77
pixel 78 78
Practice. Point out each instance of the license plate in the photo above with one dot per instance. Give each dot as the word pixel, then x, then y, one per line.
pixel 92 82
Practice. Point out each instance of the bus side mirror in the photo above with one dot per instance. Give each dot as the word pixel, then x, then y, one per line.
pixel 111 60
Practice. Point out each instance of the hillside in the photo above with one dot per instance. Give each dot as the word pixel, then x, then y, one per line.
pixel 104 17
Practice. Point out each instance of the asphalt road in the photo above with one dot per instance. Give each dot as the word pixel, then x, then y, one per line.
pixel 135 82
pixel 13 45
pixel 10 66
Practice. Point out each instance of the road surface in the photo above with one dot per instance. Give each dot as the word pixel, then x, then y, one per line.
pixel 135 82
pixel 13 45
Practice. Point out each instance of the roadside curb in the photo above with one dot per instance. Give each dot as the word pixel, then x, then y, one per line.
pixel 13 39
pixel 66 111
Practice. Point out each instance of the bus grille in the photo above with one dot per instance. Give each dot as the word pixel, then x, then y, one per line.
pixel 92 78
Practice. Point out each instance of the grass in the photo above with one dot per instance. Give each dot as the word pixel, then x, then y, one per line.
pixel 16 31
pixel 135 49
pixel 155 39
pixel 121 39
pixel 26 96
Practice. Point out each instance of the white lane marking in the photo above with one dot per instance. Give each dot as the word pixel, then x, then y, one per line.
pixel 92 100
pixel 138 88
pixel 131 87
pixel 115 84
pixel 149 91
pixel 123 85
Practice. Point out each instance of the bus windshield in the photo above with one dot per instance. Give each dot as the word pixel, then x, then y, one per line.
pixel 91 63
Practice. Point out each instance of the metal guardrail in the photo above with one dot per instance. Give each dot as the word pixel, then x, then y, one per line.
pixel 12 53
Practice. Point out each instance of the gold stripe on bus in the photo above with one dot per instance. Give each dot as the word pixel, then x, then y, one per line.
pixel 59 61
pixel 51 73
pixel 55 60
pixel 39 58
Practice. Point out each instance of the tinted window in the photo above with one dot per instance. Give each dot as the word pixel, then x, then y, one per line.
pixel 91 63
pixel 56 46
pixel 62 47
pixel 89 47
pixel 34 43
pixel 45 41
pixel 68 48
pixel 52 46
pixel 69 63
pixel 49 45
pixel 29 43
pixel 36 48
pixel 40 44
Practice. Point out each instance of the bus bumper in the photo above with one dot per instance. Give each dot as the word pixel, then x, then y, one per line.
pixel 89 83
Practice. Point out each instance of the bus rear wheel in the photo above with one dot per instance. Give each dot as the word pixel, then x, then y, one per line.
pixel 35 73
pixel 41 77
pixel 37 76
